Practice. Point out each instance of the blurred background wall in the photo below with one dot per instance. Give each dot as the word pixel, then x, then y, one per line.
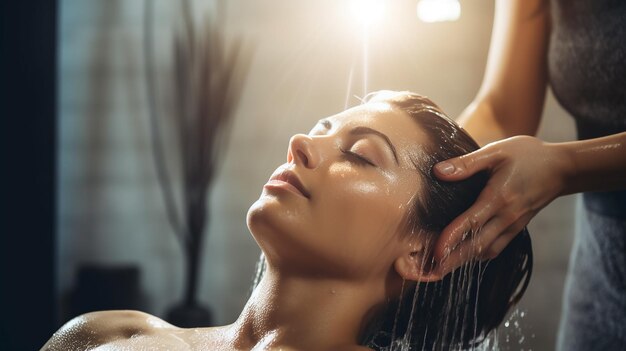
pixel 308 63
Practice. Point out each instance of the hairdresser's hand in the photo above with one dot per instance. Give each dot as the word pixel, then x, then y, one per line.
pixel 526 174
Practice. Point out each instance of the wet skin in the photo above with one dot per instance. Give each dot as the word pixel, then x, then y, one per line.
pixel 331 224
pixel 359 188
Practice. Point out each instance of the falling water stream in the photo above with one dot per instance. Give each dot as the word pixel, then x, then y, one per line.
pixel 365 40
pixel 467 282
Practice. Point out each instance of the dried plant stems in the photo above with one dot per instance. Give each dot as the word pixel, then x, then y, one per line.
pixel 208 79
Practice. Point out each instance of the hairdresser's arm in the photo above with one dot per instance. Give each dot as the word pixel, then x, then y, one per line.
pixel 511 97
pixel 526 175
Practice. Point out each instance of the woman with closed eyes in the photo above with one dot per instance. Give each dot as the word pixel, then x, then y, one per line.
pixel 347 227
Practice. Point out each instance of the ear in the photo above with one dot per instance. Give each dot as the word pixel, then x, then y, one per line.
pixel 413 265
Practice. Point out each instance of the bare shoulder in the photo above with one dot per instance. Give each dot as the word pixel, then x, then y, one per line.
pixel 95 329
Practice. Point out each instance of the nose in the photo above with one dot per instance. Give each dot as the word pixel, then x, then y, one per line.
pixel 303 151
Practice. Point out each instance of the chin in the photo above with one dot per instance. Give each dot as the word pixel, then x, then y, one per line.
pixel 277 213
pixel 278 232
pixel 266 219
pixel 255 215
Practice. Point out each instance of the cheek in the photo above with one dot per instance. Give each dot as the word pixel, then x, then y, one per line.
pixel 352 183
pixel 361 223
pixel 360 204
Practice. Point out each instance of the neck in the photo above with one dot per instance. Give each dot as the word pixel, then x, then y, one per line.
pixel 304 313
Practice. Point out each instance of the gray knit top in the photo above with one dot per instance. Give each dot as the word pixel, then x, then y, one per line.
pixel 587 72
pixel 587 63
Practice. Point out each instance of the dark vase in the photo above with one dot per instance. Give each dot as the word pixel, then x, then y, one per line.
pixel 104 287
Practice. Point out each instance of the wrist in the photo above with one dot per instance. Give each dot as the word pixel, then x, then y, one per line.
pixel 565 167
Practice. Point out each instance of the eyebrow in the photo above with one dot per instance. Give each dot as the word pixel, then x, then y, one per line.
pixel 365 130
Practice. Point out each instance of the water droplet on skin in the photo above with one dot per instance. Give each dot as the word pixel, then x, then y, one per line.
pixel 506 324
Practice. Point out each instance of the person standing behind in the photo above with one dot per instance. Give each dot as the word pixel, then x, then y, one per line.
pixel 579 48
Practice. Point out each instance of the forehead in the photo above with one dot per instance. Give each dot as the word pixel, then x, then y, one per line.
pixel 398 126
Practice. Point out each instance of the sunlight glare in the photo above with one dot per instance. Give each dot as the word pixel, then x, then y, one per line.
pixel 368 12
pixel 438 10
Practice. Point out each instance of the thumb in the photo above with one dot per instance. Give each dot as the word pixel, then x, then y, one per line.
pixel 462 167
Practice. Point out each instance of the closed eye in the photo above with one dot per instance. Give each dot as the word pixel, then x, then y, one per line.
pixel 356 158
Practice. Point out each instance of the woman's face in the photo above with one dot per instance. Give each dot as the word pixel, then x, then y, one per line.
pixel 338 206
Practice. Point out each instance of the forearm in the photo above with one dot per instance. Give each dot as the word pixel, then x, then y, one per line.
pixel 595 164
pixel 480 121
pixel 511 97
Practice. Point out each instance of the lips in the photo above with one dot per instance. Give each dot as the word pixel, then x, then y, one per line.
pixel 290 178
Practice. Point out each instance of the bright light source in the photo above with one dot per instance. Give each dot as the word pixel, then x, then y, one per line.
pixel 438 10
pixel 368 12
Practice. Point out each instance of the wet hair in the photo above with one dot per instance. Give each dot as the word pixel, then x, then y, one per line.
pixel 460 310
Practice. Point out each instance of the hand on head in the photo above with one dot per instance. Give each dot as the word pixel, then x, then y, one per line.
pixel 526 174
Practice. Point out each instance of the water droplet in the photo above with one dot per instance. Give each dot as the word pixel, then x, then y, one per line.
pixel 522 314
pixel 521 339
pixel 506 324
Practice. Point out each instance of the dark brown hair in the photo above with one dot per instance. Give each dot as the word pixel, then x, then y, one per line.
pixel 461 309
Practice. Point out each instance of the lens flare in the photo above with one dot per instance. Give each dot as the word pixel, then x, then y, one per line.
pixel 438 10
